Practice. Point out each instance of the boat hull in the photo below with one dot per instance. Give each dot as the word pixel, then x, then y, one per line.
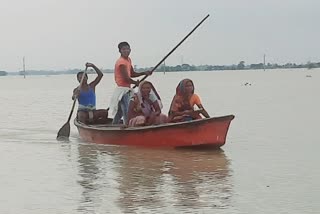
pixel 204 132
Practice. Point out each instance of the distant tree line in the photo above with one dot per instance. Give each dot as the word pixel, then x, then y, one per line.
pixel 184 67
pixel 240 66
pixel 3 73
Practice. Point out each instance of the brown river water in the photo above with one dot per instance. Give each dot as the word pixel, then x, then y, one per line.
pixel 268 164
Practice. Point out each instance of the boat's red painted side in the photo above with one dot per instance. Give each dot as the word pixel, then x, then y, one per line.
pixel 211 131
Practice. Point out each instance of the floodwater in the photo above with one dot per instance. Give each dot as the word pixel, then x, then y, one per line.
pixel 268 164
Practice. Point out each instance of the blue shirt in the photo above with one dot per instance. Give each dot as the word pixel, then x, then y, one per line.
pixel 87 100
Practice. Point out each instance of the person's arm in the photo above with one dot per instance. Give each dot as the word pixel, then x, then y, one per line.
pixel 131 112
pixel 136 74
pixel 124 74
pixel 177 115
pixel 173 111
pixel 76 93
pixel 156 108
pixel 202 111
pixel 181 113
pixel 96 81
pixel 152 117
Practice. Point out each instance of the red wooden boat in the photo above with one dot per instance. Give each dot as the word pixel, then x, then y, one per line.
pixel 204 132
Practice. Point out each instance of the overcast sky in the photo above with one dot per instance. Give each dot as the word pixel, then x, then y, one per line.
pixel 63 34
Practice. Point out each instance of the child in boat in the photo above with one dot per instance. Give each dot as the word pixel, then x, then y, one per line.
pixel 85 93
pixel 182 105
pixel 145 107
pixel 123 74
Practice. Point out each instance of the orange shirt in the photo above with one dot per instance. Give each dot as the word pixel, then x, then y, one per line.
pixel 195 100
pixel 117 73
pixel 177 102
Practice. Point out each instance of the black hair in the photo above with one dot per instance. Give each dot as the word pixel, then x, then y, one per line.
pixel 79 73
pixel 122 44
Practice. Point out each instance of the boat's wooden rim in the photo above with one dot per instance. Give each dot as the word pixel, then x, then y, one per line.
pixel 110 127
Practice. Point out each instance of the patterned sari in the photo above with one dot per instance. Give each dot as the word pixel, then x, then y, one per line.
pixel 143 108
pixel 183 102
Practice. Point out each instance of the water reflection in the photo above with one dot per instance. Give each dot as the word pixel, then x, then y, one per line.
pixel 88 172
pixel 173 179
pixel 137 179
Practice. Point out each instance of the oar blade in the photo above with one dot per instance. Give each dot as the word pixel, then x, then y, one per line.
pixel 64 132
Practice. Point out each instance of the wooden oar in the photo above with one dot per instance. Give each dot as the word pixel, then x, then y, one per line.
pixel 64 132
pixel 175 47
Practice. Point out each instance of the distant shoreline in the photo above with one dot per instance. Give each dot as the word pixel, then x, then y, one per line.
pixel 180 68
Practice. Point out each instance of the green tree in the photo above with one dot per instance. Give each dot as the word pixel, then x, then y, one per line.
pixel 310 65
pixel 241 65
pixel 3 73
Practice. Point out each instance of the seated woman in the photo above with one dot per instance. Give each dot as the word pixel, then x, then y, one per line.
pixel 145 107
pixel 85 93
pixel 182 105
